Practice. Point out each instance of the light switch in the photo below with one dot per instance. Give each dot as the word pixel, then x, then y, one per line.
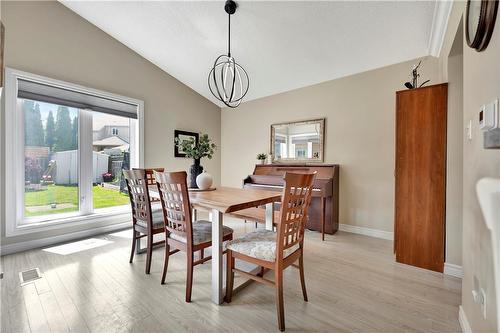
pixel 468 129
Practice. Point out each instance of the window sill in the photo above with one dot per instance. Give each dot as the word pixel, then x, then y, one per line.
pixel 109 216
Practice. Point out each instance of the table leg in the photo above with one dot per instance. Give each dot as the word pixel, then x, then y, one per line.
pixel 323 205
pixel 269 216
pixel 217 272
pixel 194 214
pixel 138 249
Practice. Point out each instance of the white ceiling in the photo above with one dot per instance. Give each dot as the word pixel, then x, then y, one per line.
pixel 283 45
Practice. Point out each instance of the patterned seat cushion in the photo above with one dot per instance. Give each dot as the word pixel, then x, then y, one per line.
pixel 260 244
pixel 157 217
pixel 202 232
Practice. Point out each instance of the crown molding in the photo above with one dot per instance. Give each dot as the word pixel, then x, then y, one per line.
pixel 442 12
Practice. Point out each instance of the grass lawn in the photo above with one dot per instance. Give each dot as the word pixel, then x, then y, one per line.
pixel 66 198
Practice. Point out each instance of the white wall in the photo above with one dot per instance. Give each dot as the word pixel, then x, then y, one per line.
pixel 46 38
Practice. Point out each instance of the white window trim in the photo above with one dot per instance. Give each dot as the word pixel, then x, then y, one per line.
pixel 14 139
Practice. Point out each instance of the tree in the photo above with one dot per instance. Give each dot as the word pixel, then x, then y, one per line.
pixel 62 137
pixel 74 133
pixel 33 126
pixel 50 131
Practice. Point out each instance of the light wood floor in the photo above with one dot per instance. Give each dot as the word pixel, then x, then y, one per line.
pixel 352 281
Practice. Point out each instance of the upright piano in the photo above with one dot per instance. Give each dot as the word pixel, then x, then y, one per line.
pixel 324 210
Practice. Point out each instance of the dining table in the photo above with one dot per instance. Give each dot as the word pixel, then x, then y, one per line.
pixel 220 202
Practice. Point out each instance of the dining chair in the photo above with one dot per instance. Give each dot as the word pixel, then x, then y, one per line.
pixel 150 179
pixel 181 233
pixel 146 222
pixel 276 250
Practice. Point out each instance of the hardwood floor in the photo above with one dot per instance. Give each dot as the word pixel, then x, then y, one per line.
pixel 352 281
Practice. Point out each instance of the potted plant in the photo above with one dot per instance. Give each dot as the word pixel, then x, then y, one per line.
pixel 262 157
pixel 33 174
pixel 203 148
pixel 107 177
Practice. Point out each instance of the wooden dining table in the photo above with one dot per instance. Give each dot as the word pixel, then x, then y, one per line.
pixel 221 201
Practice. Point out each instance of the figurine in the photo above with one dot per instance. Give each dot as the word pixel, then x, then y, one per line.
pixel 415 76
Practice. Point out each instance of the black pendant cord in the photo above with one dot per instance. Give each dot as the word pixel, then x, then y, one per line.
pixel 229 37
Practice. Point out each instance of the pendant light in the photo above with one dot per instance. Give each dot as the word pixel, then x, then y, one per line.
pixel 228 81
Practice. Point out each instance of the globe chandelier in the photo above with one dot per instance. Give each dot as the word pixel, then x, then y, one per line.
pixel 227 80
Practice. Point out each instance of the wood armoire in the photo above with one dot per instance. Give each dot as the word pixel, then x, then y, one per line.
pixel 420 190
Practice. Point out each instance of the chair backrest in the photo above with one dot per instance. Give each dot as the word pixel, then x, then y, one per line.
pixel 173 190
pixel 150 177
pixel 297 194
pixel 139 196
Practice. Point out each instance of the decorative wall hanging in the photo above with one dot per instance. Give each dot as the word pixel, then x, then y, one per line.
pixel 228 81
pixel 181 136
pixel 480 20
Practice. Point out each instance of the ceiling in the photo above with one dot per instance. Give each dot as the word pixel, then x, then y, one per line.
pixel 283 45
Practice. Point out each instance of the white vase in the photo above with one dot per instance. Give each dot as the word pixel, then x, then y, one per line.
pixel 204 180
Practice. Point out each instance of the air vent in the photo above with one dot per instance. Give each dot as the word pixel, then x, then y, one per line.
pixel 29 276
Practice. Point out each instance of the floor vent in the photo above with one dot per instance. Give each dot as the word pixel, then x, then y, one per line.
pixel 29 276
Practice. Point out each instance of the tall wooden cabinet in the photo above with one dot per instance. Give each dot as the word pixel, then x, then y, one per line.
pixel 420 191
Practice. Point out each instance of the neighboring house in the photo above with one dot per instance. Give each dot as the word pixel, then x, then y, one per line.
pixel 112 130
pixel 110 142
pixel 111 136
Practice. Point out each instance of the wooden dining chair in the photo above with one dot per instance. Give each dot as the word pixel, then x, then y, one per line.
pixel 276 250
pixel 181 233
pixel 146 222
pixel 150 179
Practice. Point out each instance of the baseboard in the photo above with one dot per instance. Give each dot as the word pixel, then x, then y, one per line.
pixel 464 323
pixel 453 270
pixel 367 231
pixel 44 242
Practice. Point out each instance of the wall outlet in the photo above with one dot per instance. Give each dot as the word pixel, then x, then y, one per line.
pixel 483 304
pixel 479 296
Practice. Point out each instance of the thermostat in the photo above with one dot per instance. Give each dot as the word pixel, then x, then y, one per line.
pixel 488 116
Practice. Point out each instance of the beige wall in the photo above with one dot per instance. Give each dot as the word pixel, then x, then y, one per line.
pixel 481 85
pixel 454 164
pixel 48 39
pixel 360 120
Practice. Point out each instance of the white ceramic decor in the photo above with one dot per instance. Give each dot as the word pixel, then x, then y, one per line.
pixel 204 180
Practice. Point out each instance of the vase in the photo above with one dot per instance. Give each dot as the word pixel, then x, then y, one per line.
pixel 204 180
pixel 194 171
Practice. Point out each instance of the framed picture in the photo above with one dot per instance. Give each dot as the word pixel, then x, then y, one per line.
pixel 183 135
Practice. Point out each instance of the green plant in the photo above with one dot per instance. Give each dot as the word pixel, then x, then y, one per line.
pixel 262 156
pixel 204 148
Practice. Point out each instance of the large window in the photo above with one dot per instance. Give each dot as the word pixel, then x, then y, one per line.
pixel 67 147
pixel 50 158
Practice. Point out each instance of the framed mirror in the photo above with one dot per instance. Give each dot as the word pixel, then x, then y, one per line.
pixel 301 141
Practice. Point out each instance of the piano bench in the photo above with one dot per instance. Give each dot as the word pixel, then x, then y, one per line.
pixel 257 215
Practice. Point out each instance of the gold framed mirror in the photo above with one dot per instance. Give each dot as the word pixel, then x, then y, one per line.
pixel 300 141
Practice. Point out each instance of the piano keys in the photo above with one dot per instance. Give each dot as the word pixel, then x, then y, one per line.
pixel 323 213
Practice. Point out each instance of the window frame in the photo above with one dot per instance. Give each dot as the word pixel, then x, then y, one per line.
pixel 14 159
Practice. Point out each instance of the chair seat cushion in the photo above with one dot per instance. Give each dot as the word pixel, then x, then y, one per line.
pixel 202 232
pixel 157 217
pixel 260 244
